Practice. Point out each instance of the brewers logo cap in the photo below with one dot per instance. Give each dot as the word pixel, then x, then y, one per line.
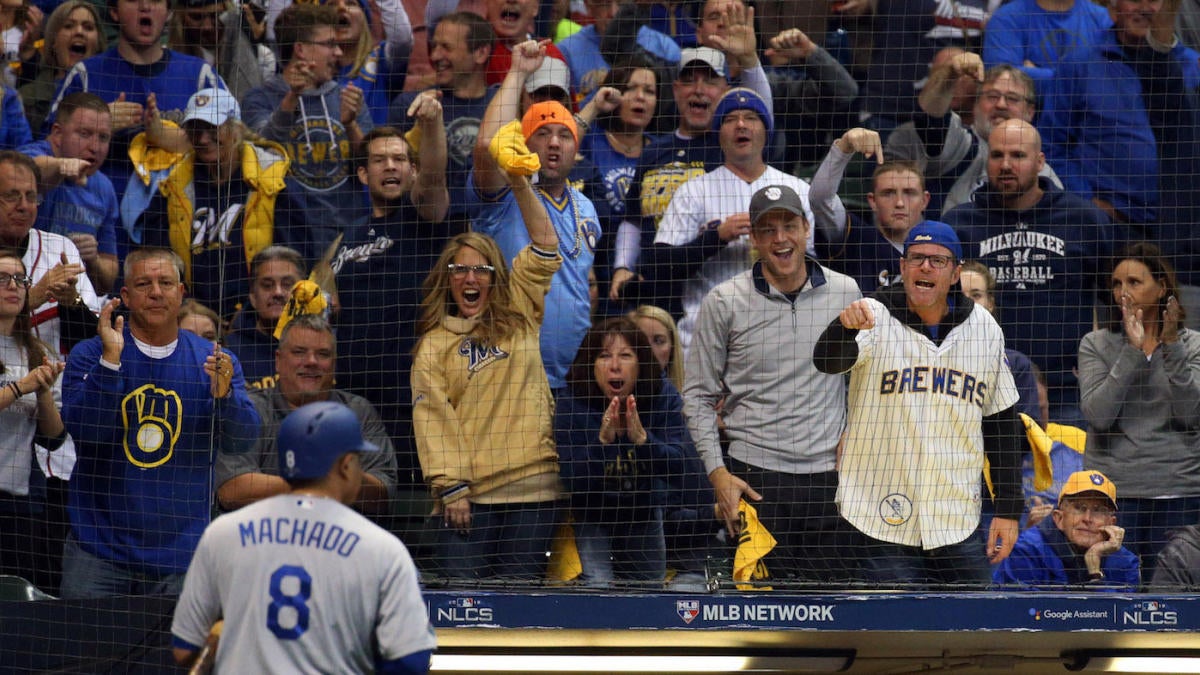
pixel 213 106
pixel 775 197
pixel 933 232
pixel 1085 482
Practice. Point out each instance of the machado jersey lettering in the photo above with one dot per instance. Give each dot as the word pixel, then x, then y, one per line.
pixel 305 585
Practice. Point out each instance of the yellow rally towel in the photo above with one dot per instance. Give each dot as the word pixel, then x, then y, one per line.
pixel 413 138
pixel 307 298
pixel 1072 437
pixel 510 152
pixel 754 542
pixel 564 556
pixel 1040 443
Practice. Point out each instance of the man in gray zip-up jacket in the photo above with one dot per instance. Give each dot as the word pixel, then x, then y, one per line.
pixel 753 348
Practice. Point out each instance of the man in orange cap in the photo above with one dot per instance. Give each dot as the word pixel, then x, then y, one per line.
pixel 545 143
pixel 1080 544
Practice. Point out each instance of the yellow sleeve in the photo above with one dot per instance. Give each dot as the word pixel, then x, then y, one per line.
pixel 441 446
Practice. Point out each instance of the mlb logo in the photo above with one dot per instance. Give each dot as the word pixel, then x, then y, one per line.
pixel 687 609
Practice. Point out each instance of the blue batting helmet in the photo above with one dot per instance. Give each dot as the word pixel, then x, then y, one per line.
pixel 313 436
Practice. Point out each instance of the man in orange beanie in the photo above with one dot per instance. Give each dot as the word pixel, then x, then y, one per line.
pixel 543 144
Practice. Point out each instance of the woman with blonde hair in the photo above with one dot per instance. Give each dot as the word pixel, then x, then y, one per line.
pixel 73 33
pixel 374 53
pixel 482 408
pixel 660 329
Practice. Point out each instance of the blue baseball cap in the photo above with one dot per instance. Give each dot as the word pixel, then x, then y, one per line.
pixel 741 98
pixel 313 436
pixel 933 232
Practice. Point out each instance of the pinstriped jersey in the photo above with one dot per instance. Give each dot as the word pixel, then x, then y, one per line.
pixel 911 470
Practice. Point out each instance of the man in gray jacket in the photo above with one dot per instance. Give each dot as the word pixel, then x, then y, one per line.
pixel 305 362
pixel 752 349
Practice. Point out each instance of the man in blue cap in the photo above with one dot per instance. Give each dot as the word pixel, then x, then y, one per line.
pixel 302 581
pixel 931 397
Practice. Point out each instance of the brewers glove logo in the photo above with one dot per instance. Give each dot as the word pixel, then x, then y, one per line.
pixel 152 418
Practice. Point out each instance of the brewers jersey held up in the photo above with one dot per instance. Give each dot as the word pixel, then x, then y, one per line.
pixel 914 453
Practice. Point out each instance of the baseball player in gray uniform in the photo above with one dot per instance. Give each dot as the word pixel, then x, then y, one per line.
pixel 930 396
pixel 304 583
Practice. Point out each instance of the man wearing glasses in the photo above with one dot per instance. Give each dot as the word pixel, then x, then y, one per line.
pixel 1046 248
pixel 1079 544
pixel 315 119
pixel 952 154
pixel 931 397
pixel 61 291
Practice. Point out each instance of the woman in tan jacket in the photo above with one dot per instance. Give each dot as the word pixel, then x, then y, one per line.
pixel 482 408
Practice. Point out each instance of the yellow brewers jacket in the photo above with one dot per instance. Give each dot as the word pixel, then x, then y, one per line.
pixel 264 165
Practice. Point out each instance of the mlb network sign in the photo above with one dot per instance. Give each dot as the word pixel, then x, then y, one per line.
pixel 765 613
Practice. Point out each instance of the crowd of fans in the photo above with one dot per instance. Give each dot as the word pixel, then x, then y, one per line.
pixel 571 278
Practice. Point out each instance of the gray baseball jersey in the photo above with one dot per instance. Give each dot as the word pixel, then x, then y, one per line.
pixel 912 465
pixel 305 585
